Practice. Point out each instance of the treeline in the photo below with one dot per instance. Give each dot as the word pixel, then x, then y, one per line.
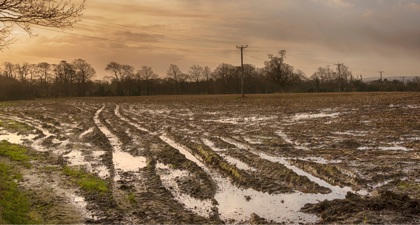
pixel 76 78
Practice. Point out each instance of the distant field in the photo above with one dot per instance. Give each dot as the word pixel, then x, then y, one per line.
pixel 222 158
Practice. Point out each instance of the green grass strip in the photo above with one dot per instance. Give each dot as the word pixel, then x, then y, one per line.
pixel 15 207
pixel 15 153
pixel 86 181
pixel 14 126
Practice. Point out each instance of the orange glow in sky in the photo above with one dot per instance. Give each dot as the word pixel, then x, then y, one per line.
pixel 367 36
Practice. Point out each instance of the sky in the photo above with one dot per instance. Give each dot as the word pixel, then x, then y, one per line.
pixel 366 35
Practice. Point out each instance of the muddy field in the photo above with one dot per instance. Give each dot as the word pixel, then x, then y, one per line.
pixel 290 158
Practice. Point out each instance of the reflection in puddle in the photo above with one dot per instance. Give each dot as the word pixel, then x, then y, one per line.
pixel 126 162
pixel 286 138
pixel 237 163
pixel 304 116
pixel 15 138
pixel 392 148
pixel 75 157
pixel 318 160
pixel 137 126
pixel 211 145
pixel 123 161
pixel 233 161
pixel 90 130
pixel 233 203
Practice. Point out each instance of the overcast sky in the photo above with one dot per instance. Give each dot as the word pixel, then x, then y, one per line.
pixel 366 35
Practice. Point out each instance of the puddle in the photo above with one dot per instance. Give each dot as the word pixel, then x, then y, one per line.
pixel 352 133
pixel 126 162
pixel 392 148
pixel 238 163
pixel 306 116
pixel 233 161
pixel 183 150
pixel 286 138
pixel 254 140
pixel 233 203
pixel 90 130
pixel 211 145
pixel 80 203
pixel 168 176
pixel 15 138
pixel 238 120
pixel 101 170
pixel 318 160
pixel 75 157
pixel 138 127
pixel 122 161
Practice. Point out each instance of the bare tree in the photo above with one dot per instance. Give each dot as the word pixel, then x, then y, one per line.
pixel 9 70
pixel 65 76
pixel 227 78
pixel 46 13
pixel 117 71
pixel 279 71
pixel 146 74
pixel 128 77
pixel 175 75
pixel 22 71
pixel 84 72
pixel 196 72
pixel 207 73
pixel 44 75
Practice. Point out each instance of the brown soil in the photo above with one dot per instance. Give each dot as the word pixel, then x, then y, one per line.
pixel 369 141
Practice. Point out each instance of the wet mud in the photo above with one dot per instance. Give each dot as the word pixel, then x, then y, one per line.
pixel 222 159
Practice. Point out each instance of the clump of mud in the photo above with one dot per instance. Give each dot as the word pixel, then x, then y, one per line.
pixel 384 207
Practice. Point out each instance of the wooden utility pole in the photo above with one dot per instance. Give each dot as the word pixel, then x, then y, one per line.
pixel 340 78
pixel 242 68
pixel 403 78
pixel 381 72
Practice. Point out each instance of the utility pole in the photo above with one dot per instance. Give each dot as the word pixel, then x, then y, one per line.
pixel 242 68
pixel 380 72
pixel 403 83
pixel 340 79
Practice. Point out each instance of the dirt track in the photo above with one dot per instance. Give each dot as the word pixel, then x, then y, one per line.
pixel 198 159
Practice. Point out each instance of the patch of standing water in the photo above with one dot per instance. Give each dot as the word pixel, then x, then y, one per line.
pixel 319 160
pixel 15 138
pixel 138 127
pixel 279 208
pixel 254 140
pixel 75 157
pixel 123 161
pixel 392 148
pixel 289 141
pixel 238 163
pixel 211 145
pixel 168 177
pixel 352 133
pixel 306 116
pixel 90 130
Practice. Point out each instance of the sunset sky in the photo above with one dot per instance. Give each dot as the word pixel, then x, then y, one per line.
pixel 366 35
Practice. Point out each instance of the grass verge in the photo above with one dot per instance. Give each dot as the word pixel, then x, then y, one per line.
pixel 15 153
pixel 13 125
pixel 86 181
pixel 15 206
